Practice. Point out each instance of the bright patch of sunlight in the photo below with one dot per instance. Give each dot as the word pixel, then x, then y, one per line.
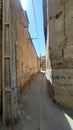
pixel 49 75
pixel 24 3
pixel 42 71
pixel 70 121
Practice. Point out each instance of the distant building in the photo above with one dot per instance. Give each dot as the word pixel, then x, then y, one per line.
pixel 43 63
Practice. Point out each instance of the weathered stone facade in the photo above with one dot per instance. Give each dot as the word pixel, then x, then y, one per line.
pixel 0 54
pixel 60 49
pixel 27 60
pixel 22 51
pixel 0 69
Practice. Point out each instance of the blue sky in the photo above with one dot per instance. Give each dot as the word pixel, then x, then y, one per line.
pixel 27 5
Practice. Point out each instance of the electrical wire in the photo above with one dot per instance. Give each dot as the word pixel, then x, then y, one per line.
pixel 36 26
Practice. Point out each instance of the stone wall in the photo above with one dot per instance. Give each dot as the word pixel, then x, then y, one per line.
pixel 0 54
pixel 60 49
pixel 0 68
pixel 27 60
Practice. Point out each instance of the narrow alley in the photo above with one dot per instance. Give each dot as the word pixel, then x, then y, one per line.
pixel 38 112
pixel 36 60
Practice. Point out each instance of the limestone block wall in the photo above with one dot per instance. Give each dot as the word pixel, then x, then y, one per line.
pixel 60 49
pixel 27 61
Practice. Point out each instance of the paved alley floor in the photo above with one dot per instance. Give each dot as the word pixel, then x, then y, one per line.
pixel 38 112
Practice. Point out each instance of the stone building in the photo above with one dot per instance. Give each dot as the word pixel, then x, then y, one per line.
pixel 43 63
pixel 59 59
pixel 18 58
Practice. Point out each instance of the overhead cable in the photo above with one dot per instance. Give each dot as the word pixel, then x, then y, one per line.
pixel 36 26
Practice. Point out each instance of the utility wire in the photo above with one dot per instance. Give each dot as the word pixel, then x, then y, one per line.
pixel 36 26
